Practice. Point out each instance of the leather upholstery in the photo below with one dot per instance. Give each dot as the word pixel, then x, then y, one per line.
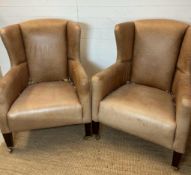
pixel 12 39
pixel 103 83
pixel 184 61
pixel 37 91
pixel 80 79
pixel 142 111
pixel 157 46
pixel 11 85
pixel 159 74
pixel 45 44
pixel 73 38
pixel 45 104
pixel 183 111
pixel 124 33
pixel 182 92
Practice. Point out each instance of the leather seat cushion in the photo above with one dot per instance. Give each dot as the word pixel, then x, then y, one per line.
pixel 47 104
pixel 142 111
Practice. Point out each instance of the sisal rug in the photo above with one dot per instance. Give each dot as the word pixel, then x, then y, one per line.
pixel 62 151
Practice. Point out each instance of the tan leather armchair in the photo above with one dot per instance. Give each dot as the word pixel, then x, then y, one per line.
pixel 147 92
pixel 46 85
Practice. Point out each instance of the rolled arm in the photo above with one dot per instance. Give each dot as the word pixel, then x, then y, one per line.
pixel 81 81
pixel 183 112
pixel 107 81
pixel 11 85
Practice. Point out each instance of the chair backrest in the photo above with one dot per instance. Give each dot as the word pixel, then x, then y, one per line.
pixel 157 45
pixel 45 44
pixel 45 47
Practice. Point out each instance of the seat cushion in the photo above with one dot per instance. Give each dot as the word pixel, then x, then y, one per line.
pixel 46 104
pixel 142 111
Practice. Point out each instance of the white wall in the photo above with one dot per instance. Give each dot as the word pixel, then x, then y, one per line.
pixel 97 19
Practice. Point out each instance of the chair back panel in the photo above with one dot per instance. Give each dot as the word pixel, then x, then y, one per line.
pixel 156 49
pixel 46 49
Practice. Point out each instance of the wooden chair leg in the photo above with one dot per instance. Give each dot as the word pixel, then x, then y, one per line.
pixel 176 159
pixel 95 127
pixel 88 130
pixel 9 141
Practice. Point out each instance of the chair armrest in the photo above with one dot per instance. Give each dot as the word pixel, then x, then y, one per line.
pixel 103 83
pixel 81 81
pixel 183 112
pixel 11 85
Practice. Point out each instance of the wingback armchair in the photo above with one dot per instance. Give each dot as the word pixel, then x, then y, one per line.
pixel 46 85
pixel 147 92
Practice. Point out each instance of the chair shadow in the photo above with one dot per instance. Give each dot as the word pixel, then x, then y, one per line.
pixel 50 139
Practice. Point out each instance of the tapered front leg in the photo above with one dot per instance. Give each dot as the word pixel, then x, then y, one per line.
pixel 176 159
pixel 95 127
pixel 9 140
pixel 88 130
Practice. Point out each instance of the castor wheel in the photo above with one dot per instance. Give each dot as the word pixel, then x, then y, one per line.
pixel 10 150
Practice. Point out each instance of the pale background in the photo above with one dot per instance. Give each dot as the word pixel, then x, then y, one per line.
pixel 97 19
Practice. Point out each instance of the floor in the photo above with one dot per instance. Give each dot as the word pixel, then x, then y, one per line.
pixel 64 151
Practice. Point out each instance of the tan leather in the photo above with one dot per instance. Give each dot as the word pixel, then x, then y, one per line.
pixel 80 79
pixel 142 111
pixel 183 111
pixel 124 34
pixel 11 85
pixel 45 44
pixel 73 37
pixel 162 59
pixel 184 61
pixel 103 83
pixel 157 44
pixel 12 39
pixel 182 92
pixel 40 51
pixel 46 104
pixel 76 71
